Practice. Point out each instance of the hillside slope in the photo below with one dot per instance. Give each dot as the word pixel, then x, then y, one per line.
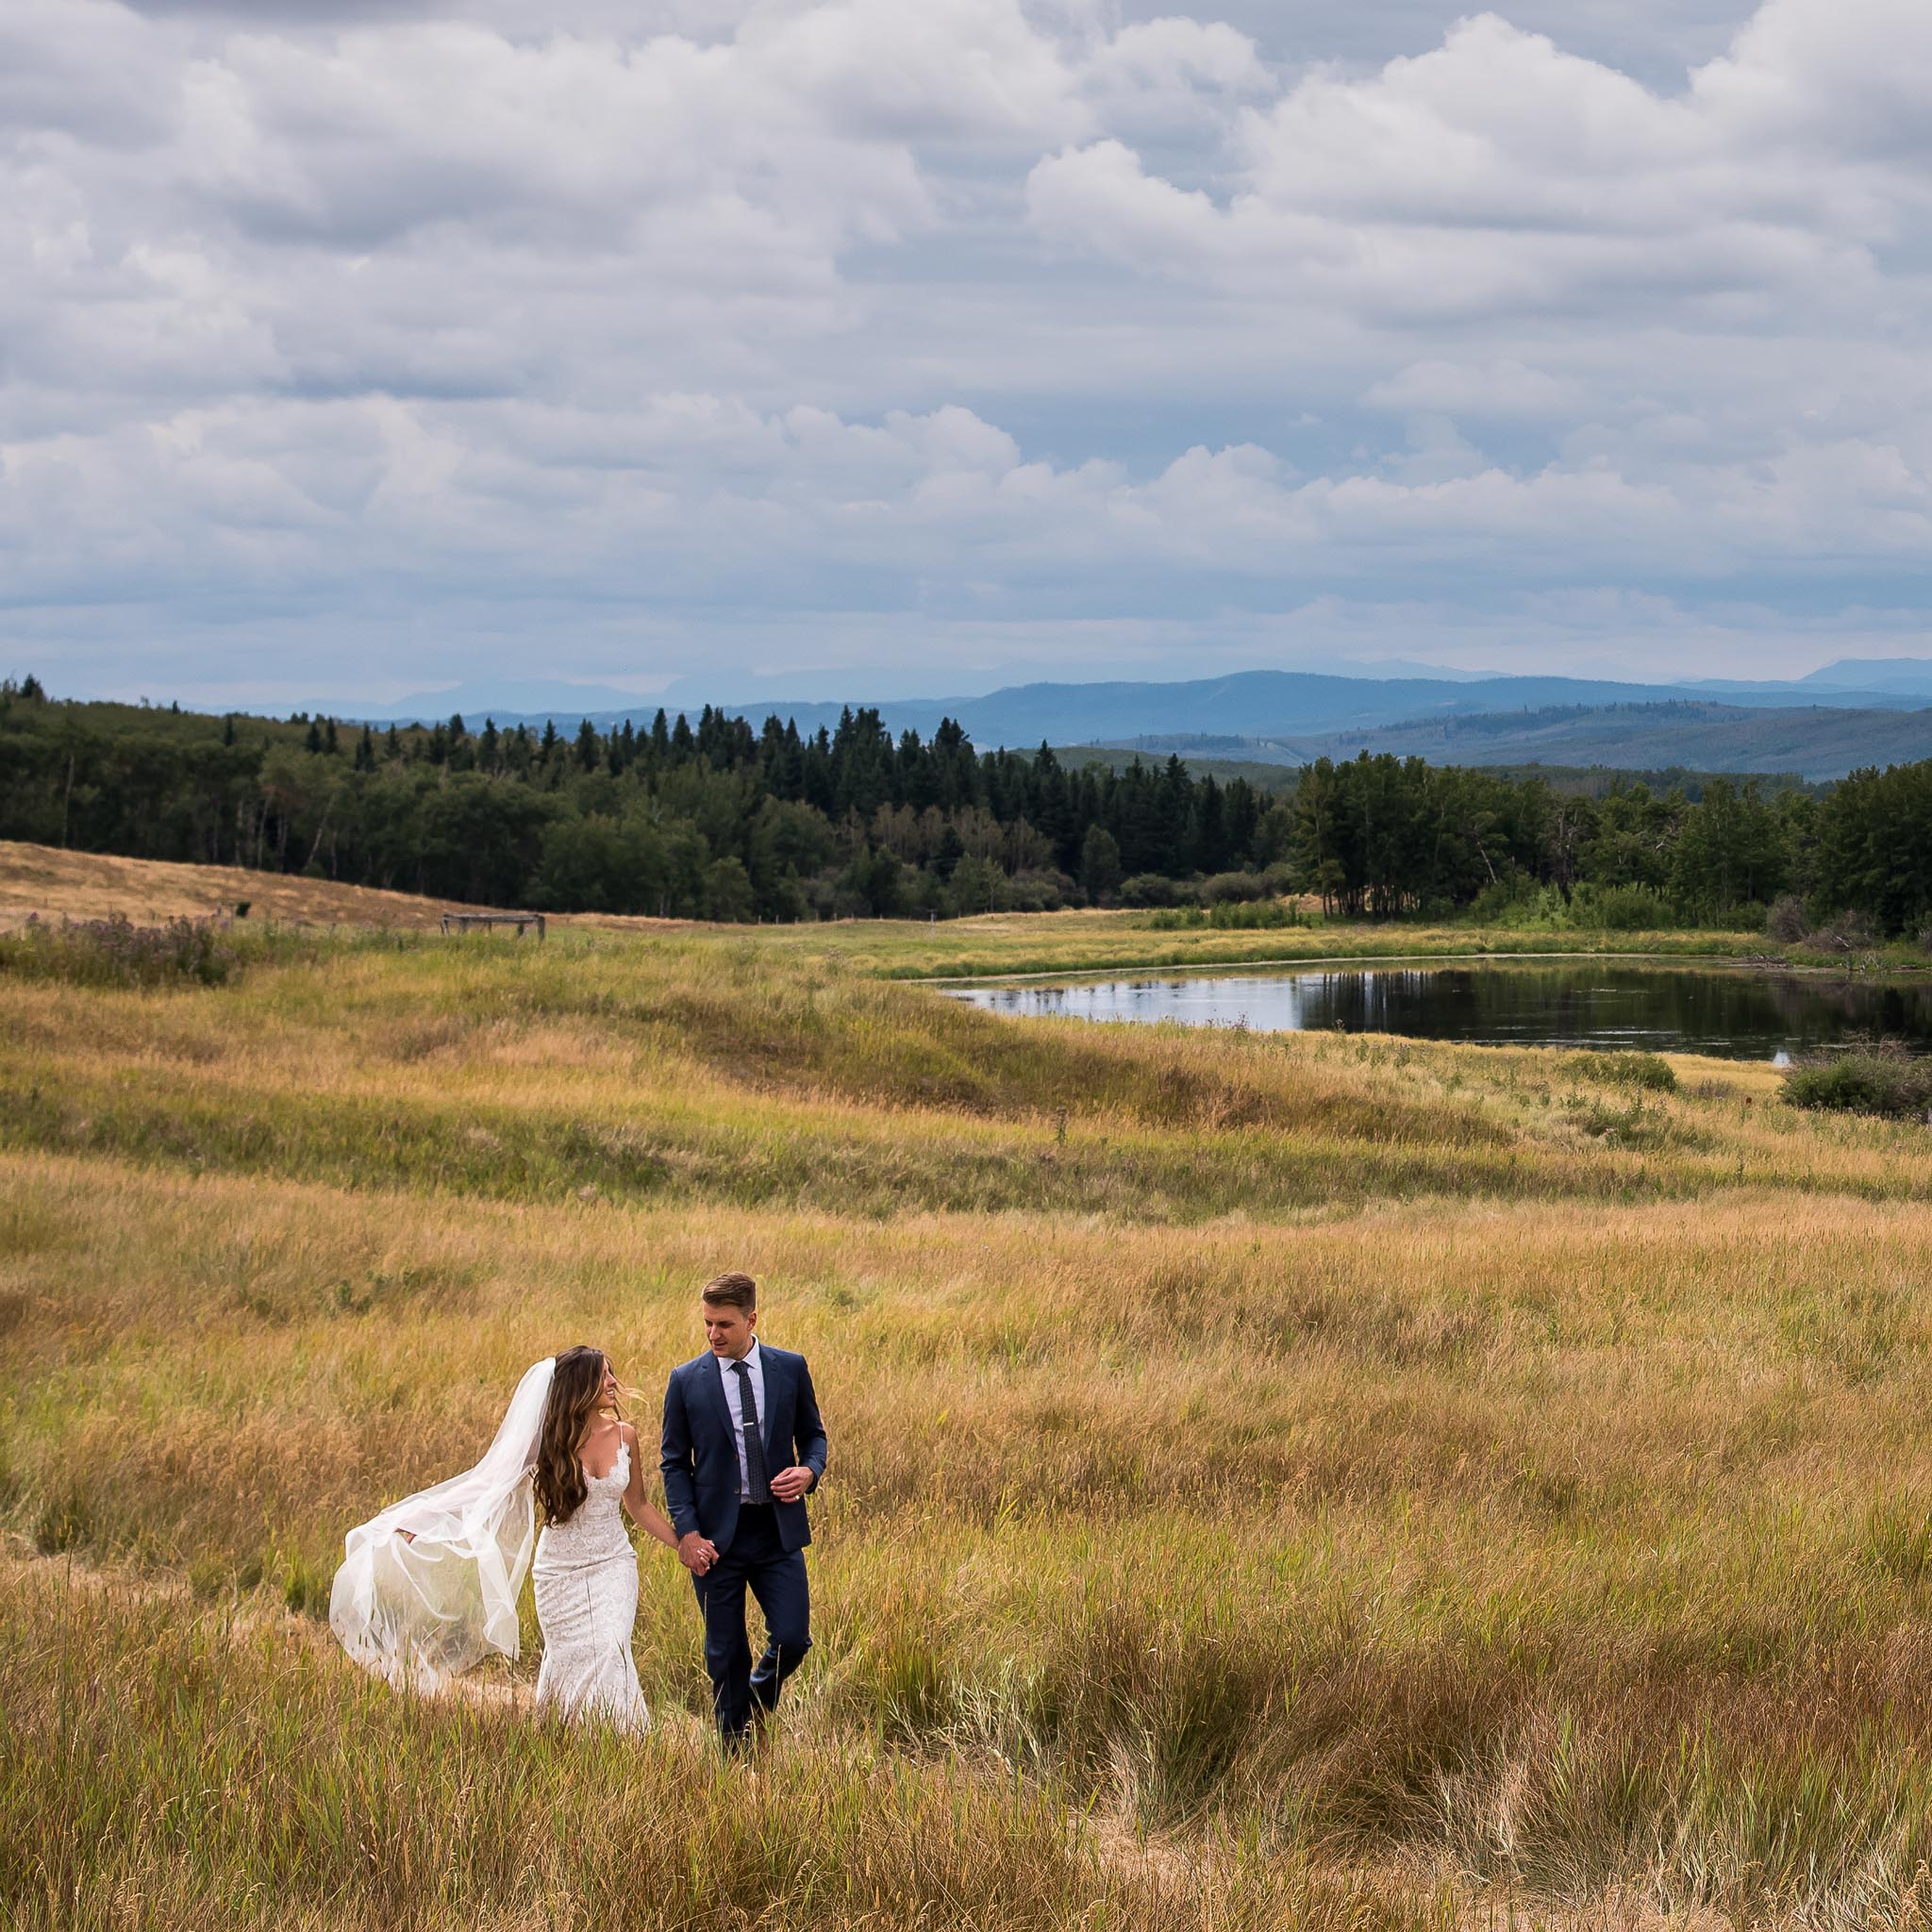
pixel 92 885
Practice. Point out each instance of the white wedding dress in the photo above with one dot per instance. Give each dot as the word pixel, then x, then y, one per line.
pixel 585 1577
pixel 428 1588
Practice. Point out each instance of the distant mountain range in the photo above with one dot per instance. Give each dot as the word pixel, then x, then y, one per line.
pixel 1825 742
pixel 1909 677
pixel 1854 712
pixel 509 699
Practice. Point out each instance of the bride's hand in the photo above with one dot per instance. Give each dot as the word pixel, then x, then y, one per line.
pixel 696 1553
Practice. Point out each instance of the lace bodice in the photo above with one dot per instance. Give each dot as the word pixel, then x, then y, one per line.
pixel 594 1530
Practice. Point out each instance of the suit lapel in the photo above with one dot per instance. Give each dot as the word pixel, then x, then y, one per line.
pixel 713 1379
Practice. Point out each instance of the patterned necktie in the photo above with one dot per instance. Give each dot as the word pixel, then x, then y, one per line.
pixel 756 1480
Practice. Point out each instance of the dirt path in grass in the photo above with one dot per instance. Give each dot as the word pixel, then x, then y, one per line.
pixel 255 1613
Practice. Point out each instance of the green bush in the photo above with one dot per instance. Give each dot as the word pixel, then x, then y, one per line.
pixel 1228 916
pixel 1648 1071
pixel 1519 902
pixel 1881 1079
pixel 1506 902
pixel 1152 888
pixel 1622 909
pixel 1227 888
pixel 1263 914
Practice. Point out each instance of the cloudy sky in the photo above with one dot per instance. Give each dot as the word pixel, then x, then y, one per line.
pixel 350 348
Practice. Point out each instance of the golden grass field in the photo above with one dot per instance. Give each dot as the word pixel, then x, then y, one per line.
pixel 48 883
pixel 1276 1481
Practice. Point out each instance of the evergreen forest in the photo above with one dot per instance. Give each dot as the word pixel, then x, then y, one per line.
pixel 716 819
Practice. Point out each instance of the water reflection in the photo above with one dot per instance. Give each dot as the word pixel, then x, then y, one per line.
pixel 1738 1015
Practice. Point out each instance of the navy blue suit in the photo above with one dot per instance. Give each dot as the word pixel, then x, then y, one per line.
pixel 760 1546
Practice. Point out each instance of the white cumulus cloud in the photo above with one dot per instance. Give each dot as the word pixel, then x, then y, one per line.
pixel 349 345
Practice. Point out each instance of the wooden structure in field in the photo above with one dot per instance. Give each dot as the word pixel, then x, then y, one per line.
pixel 463 921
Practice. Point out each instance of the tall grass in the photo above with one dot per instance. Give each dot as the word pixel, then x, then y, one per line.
pixel 116 952
pixel 694 1069
pixel 1031 943
pixel 1275 1481
pixel 178 1768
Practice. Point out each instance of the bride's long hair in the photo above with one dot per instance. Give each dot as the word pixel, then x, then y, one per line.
pixel 576 1385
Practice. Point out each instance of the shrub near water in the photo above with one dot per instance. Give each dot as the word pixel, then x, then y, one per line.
pixel 1648 1071
pixel 1880 1079
pixel 1230 915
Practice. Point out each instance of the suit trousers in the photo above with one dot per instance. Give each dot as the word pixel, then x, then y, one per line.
pixel 758 1561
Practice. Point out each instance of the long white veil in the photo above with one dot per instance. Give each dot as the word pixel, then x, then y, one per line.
pixel 430 1586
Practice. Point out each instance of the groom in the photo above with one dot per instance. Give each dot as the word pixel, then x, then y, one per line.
pixel 742 1446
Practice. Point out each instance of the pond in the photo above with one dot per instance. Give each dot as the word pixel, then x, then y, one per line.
pixel 1730 1011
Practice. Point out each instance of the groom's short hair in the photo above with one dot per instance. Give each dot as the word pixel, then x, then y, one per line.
pixel 731 1291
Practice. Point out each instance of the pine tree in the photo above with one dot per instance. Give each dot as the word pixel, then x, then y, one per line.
pixel 1206 828
pixel 1100 864
pixel 950 851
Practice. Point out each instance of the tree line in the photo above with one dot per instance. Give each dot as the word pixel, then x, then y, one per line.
pixel 711 818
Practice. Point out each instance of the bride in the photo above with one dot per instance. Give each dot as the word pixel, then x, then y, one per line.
pixel 430 1586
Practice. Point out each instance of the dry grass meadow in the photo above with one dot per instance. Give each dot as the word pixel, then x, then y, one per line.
pixel 44 882
pixel 1276 1482
pixel 49 884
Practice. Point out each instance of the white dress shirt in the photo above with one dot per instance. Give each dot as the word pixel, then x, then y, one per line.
pixel 727 1372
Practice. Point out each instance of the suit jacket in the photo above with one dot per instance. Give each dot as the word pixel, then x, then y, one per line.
pixel 700 1445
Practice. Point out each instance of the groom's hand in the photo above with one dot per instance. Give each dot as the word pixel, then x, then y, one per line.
pixel 696 1553
pixel 790 1484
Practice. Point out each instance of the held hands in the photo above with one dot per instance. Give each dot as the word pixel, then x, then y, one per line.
pixel 696 1553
